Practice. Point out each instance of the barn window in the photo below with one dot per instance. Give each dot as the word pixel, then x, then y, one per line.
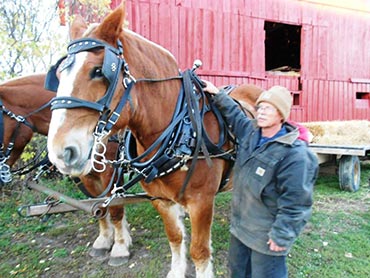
pixel 296 98
pixel 282 48
pixel 360 95
pixel 362 100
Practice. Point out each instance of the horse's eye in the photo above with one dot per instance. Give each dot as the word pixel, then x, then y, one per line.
pixel 96 72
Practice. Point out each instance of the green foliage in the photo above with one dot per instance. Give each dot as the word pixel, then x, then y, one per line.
pixel 28 42
pixel 93 10
pixel 60 253
pixel 34 149
pixel 31 34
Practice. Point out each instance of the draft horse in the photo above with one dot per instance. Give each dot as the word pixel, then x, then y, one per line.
pixel 25 109
pixel 114 79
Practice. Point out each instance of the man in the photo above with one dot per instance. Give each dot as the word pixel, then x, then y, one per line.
pixel 273 180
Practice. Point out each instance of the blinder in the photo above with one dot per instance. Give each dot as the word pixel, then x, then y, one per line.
pixel 111 68
pixel 51 79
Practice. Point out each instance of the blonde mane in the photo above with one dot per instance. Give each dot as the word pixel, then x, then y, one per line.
pixel 93 26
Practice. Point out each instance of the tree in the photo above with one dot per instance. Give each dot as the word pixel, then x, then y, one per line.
pixel 31 36
pixel 91 10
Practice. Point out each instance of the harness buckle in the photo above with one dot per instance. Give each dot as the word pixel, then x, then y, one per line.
pixel 19 118
pixel 113 118
pixel 109 200
pixel 100 132
pixel 126 81
pixel 129 77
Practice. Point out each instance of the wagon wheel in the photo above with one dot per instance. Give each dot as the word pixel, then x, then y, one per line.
pixel 349 173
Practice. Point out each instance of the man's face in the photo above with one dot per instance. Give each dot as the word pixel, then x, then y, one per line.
pixel 268 115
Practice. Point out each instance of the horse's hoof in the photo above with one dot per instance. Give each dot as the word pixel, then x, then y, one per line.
pixel 100 254
pixel 118 261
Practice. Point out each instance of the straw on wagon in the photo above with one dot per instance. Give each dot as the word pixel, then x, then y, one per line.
pixel 356 132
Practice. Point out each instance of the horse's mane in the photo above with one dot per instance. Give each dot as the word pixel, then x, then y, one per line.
pixel 93 26
pixel 90 29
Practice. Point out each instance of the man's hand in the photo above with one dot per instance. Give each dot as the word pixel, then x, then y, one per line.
pixel 210 88
pixel 274 247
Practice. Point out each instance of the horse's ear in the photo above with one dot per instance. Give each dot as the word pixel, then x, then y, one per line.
pixel 77 28
pixel 111 27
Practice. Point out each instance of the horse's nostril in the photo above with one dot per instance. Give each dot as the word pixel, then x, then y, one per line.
pixel 70 155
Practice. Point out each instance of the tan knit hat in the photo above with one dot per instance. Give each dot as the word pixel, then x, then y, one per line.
pixel 279 97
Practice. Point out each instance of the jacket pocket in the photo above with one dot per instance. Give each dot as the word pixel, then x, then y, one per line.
pixel 260 173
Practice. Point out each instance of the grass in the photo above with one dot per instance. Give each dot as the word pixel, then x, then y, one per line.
pixel 336 241
pixel 334 244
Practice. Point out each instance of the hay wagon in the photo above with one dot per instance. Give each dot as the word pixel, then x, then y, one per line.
pixel 344 143
pixel 348 159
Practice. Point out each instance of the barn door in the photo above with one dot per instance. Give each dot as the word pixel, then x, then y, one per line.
pixel 314 55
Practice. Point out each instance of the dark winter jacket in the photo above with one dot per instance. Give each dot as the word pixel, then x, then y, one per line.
pixel 272 184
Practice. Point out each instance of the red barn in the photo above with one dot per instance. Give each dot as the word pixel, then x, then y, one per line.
pixel 318 49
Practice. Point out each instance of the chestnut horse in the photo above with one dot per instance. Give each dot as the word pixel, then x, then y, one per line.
pixel 113 79
pixel 25 111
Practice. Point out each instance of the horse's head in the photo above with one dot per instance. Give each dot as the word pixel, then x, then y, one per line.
pixel 89 80
pixel 94 97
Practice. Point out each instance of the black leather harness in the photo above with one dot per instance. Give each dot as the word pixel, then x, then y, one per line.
pixel 5 172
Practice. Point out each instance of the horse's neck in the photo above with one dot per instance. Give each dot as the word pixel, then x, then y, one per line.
pixel 154 113
pixel 41 120
pixel 25 102
pixel 155 100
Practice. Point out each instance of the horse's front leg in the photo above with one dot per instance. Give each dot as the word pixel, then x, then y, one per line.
pixel 201 215
pixel 114 237
pixel 103 243
pixel 172 215
pixel 122 240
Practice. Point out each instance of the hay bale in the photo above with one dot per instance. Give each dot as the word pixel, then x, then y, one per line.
pixel 355 133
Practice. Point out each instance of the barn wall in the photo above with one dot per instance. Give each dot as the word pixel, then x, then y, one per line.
pixel 228 36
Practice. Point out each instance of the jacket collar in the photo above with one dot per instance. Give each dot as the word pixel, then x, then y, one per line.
pixel 291 136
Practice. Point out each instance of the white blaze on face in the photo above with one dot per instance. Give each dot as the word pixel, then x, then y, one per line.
pixel 66 82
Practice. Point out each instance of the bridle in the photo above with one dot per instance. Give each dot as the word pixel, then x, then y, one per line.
pixel 113 64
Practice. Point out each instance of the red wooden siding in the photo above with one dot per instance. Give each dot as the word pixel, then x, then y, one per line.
pixel 229 37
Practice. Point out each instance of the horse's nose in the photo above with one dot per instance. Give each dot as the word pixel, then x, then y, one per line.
pixel 70 155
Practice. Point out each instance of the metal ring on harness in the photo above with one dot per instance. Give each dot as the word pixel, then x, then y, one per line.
pixel 5 175
pixel 126 81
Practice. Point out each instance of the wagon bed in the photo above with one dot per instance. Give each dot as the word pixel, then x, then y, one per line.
pixel 349 162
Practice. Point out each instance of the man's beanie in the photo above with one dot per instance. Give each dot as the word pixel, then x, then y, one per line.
pixel 279 97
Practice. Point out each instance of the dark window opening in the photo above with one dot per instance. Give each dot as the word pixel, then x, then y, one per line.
pixel 296 99
pixel 282 47
pixel 360 95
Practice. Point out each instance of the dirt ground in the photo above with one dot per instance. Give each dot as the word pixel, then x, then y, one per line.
pixel 76 243
pixel 61 249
